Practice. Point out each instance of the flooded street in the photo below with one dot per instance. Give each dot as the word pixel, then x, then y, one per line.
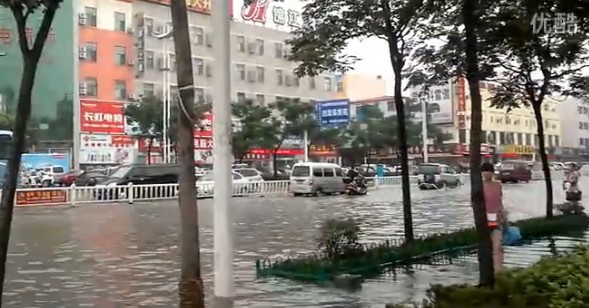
pixel 127 256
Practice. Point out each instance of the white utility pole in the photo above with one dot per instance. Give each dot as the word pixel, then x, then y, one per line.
pixel 223 217
pixel 306 145
pixel 77 133
pixel 424 128
pixel 166 91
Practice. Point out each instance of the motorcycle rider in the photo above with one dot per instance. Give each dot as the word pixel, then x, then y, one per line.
pixel 352 174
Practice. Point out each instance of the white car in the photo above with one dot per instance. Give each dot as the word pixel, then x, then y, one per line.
pixel 241 185
pixel 251 174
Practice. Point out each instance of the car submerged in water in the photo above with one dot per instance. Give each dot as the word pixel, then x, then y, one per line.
pixel 437 176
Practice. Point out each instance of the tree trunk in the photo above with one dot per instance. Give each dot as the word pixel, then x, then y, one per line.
pixel 274 163
pixel 544 157
pixel 485 255
pixel 149 146
pixel 191 286
pixel 31 58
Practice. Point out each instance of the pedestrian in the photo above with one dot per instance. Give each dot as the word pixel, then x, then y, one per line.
pixel 496 215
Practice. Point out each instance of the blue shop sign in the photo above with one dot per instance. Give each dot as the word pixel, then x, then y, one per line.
pixel 333 112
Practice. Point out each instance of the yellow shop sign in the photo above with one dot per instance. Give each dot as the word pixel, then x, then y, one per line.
pixel 519 149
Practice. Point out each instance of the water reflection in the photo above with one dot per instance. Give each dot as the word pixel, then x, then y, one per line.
pixel 121 255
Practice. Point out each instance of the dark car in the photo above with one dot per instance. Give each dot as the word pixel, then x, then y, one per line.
pixel 513 171
pixel 435 176
pixel 140 174
pixel 90 178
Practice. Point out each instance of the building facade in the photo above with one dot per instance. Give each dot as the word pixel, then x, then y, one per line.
pixel 574 117
pixel 357 87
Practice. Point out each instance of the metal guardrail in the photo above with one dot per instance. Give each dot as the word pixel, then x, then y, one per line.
pixel 132 193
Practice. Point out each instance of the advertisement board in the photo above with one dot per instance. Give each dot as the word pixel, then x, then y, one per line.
pixel 40 197
pixel 205 129
pixel 439 99
pixel 333 113
pixel 107 149
pixel 461 106
pixel 37 161
pixel 276 14
pixel 98 117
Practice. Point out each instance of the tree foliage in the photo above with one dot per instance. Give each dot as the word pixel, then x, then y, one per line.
pixel 255 129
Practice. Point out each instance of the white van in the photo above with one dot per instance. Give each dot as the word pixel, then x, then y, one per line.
pixel 316 178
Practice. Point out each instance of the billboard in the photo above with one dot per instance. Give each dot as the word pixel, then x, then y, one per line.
pixel 38 161
pixel 102 117
pixel 333 113
pixel 107 149
pixel 275 14
pixel 439 101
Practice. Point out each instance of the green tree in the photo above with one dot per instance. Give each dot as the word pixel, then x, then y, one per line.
pixel 318 45
pixel 31 53
pixel 254 128
pixel 292 120
pixel 535 60
pixel 6 121
pixel 148 115
pixel 190 287
pixel 332 137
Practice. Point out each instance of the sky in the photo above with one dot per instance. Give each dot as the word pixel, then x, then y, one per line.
pixel 374 56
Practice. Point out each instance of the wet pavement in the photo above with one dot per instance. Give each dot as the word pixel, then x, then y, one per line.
pixel 127 256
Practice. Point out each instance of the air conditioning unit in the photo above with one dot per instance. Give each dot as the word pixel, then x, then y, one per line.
pixel 251 48
pixel 209 40
pixel 251 76
pixel 82 19
pixel 83 89
pixel 130 62
pixel 82 52
pixel 132 97
pixel 209 70
pixel 130 30
pixel 163 64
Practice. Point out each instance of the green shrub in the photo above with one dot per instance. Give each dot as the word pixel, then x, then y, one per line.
pixel 554 282
pixel 339 239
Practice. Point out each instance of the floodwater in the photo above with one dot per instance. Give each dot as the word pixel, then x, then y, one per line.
pixel 127 256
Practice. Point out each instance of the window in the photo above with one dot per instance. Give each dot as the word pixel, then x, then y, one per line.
pixel 327 84
pixel 437 95
pixel 120 55
pixel 446 94
pixel 237 176
pixel 581 142
pixel 550 141
pixel 120 22
pixel 279 77
pixel 295 82
pixel 278 50
pixel 317 172
pixel 339 87
pixel 502 138
pixel 240 43
pixel 301 171
pixel 241 97
pixel 199 95
pixel 90 52
pixel 90 16
pixel 556 141
pixel 528 139
pixel 339 172
pixel 260 73
pixel 312 84
pixel 260 47
pixel 149 60
pixel 240 71
pixel 198 35
pixel 148 25
pixel 328 172
pixel 261 99
pixel 148 89
pixel 120 89
pixel 198 66
pixel 391 106
pixel 91 86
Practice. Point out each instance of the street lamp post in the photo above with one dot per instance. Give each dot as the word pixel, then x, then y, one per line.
pixel 166 97
pixel 424 129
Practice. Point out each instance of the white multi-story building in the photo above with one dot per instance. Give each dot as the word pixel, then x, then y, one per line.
pixel 574 119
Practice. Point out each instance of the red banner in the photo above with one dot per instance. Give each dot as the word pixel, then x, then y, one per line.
pixel 102 117
pixel 201 143
pixel 123 141
pixel 280 152
pixel 461 110
pixel 40 197
pixel 143 145
pixel 205 129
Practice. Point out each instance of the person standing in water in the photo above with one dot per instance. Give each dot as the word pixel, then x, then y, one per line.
pixel 495 212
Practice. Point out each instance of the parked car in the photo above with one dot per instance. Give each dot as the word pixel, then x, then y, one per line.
pixel 140 174
pixel 435 176
pixel 241 184
pixel 90 178
pixel 513 171
pixel 68 178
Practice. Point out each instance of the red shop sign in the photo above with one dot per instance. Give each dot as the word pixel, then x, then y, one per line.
pixel 143 145
pixel 102 117
pixel 280 152
pixel 205 129
pixel 201 143
pixel 461 102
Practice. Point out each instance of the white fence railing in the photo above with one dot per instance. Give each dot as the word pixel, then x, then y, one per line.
pixel 131 193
